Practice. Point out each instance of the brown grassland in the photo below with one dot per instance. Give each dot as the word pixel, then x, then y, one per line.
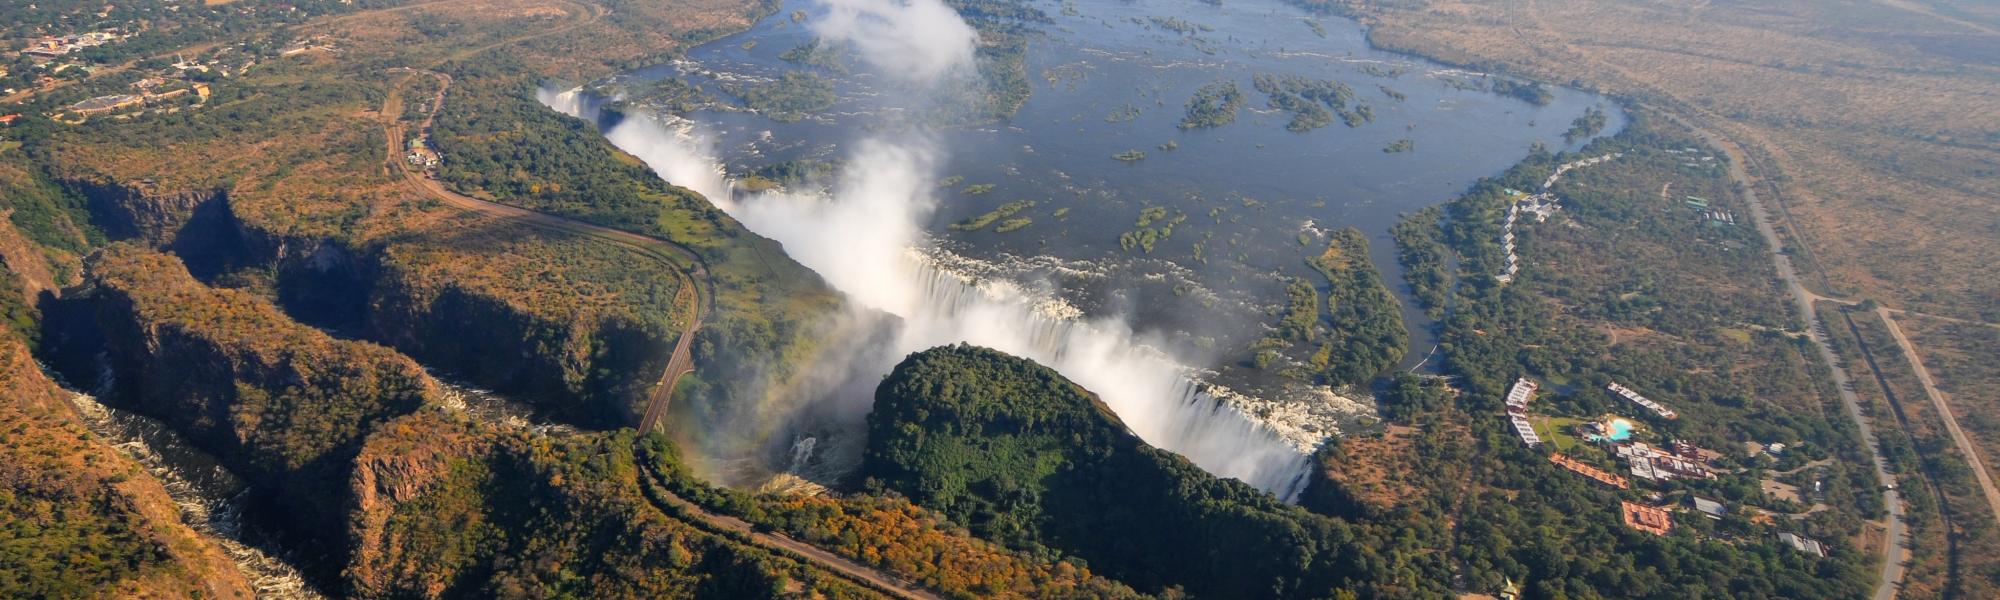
pixel 1953 532
pixel 1877 121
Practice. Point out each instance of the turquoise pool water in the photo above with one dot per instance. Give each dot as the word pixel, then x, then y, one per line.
pixel 1620 431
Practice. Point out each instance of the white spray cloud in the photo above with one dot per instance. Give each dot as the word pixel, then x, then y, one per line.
pixel 916 41
pixel 861 236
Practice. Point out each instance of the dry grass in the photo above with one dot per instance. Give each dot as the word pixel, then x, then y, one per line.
pixel 301 152
pixel 1878 118
pixel 1962 358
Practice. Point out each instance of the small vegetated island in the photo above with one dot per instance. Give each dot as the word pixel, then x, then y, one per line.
pixel 789 98
pixel 1002 212
pixel 1214 105
pixel 1153 227
pixel 818 54
pixel 1313 103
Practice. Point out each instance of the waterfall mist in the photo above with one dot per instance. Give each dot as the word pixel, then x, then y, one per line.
pixel 864 234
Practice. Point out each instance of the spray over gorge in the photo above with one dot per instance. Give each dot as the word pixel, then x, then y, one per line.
pixel 865 236
pixel 1008 234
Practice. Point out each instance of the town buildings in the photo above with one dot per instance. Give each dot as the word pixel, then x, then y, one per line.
pixel 1594 473
pixel 1654 464
pixel 1648 404
pixel 1646 518
pixel 1517 411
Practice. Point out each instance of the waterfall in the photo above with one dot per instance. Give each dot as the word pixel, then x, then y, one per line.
pixel 1160 400
pixel 802 452
pixel 865 239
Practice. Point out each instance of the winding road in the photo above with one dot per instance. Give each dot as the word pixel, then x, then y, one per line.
pixel 674 255
pixel 681 362
pixel 859 573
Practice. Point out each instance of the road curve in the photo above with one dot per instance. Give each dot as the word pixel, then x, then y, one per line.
pixel 1896 545
pixel 858 572
pixel 682 361
pixel 680 364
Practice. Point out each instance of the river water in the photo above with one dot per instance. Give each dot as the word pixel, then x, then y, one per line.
pixel 211 499
pixel 1159 333
pixel 1108 78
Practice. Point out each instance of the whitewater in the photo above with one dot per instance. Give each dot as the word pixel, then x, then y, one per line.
pixel 865 236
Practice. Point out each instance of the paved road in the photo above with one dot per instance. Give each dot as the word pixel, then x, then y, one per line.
pixel 680 364
pixel 839 564
pixel 1944 410
pixel 1896 549
pixel 682 361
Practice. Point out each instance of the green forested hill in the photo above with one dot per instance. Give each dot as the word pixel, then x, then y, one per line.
pixel 1018 454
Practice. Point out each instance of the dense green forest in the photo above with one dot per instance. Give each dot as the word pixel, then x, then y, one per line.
pixel 1214 105
pixel 1350 336
pixel 1420 247
pixel 1625 285
pixel 1019 455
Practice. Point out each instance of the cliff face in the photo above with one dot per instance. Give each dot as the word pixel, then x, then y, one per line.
pixel 563 340
pixel 26 261
pixel 413 458
pixel 1022 456
pixel 79 519
pixel 136 210
pixel 588 371
pixel 449 507
pixel 284 404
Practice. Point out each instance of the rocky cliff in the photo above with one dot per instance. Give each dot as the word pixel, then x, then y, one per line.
pixel 285 405
pixel 136 209
pixel 452 508
pixel 78 519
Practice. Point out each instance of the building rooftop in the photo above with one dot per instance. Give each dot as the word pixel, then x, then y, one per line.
pixel 1589 471
pixel 1711 508
pixel 1646 518
pixel 1803 544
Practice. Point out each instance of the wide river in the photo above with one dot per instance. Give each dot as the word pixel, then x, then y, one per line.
pixel 1109 78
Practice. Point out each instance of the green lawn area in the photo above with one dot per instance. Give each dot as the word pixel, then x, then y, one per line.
pixel 1556 431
